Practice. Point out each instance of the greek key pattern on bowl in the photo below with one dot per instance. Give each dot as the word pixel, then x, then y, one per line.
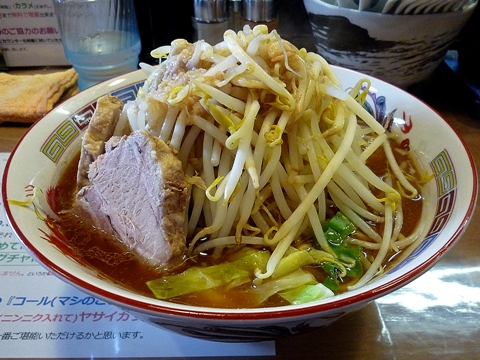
pixel 128 93
pixel 445 178
pixel 56 144
pixel 447 191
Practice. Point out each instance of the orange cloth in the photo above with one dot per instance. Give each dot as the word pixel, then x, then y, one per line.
pixel 25 98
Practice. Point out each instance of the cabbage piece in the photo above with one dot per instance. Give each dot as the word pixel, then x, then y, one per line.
pixel 202 278
pixel 294 260
pixel 286 282
pixel 306 293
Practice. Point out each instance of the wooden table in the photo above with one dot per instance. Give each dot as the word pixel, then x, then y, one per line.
pixel 437 315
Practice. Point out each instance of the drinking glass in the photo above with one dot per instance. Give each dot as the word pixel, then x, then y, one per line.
pixel 100 37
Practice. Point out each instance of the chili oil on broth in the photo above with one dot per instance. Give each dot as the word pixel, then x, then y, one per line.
pixel 116 263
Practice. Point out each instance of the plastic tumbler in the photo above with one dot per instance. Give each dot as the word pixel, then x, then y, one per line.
pixel 100 37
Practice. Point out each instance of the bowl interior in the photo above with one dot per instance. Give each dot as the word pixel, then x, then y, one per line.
pixel 51 142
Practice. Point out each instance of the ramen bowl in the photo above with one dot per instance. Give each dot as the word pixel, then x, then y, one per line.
pixel 52 142
pixel 401 49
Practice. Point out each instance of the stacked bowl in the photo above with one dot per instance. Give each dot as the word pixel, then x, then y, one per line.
pixel 399 41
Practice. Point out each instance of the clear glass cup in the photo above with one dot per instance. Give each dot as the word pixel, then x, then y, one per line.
pixel 100 37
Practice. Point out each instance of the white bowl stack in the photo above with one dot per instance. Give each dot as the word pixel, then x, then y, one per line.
pixel 400 7
pixel 399 41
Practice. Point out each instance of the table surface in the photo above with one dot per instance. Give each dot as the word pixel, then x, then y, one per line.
pixel 437 315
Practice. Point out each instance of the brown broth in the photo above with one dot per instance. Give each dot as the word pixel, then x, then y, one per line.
pixel 102 252
pixel 113 261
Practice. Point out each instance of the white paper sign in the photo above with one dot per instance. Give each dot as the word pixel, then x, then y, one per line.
pixel 29 34
pixel 43 317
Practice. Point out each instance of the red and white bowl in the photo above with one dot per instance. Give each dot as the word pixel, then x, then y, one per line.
pixel 42 154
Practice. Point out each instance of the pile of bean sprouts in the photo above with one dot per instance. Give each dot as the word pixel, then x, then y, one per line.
pixel 269 140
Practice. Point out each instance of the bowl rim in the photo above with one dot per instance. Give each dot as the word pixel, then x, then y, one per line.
pixel 466 9
pixel 167 309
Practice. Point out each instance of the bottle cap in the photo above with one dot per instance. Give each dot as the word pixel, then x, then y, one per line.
pixel 210 10
pixel 259 10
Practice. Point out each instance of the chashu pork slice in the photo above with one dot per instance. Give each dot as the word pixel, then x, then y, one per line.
pixel 137 192
pixel 100 129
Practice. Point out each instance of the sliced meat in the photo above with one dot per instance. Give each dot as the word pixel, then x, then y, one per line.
pixel 101 128
pixel 137 192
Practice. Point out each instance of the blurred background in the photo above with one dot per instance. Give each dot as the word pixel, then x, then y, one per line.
pixel 160 22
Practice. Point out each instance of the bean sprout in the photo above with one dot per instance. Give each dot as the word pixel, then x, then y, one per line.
pixel 273 141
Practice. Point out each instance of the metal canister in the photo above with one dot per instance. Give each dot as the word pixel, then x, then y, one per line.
pixel 256 12
pixel 210 20
pixel 210 11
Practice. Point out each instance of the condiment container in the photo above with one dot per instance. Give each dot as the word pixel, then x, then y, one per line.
pixel 210 20
pixel 255 12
